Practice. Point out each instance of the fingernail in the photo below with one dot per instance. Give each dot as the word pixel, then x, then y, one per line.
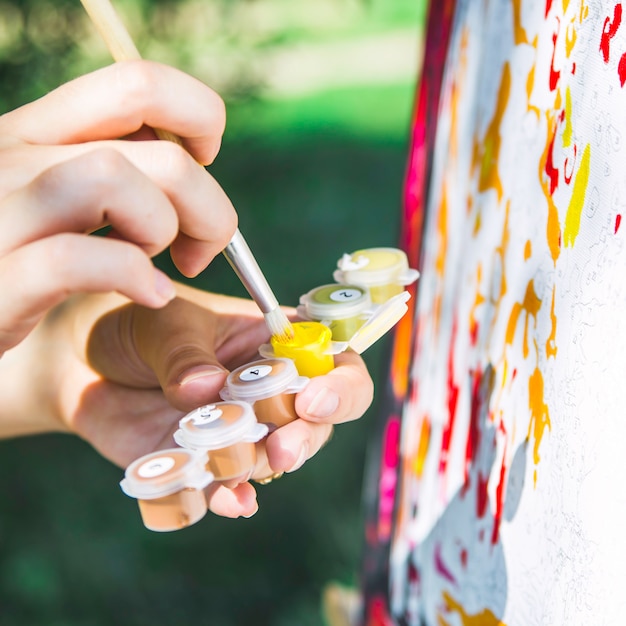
pixel 200 371
pixel 302 457
pixel 324 404
pixel 164 286
pixel 251 514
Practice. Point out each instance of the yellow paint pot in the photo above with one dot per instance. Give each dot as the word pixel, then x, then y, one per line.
pixel 384 271
pixel 310 348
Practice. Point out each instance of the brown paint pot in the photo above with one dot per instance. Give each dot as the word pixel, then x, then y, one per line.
pixel 168 486
pixel 227 431
pixel 270 385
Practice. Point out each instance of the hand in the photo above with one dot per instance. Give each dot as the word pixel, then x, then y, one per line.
pixel 123 375
pixel 64 173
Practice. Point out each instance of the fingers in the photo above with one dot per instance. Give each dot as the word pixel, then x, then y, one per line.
pixel 84 194
pixel 206 217
pixel 342 395
pixel 118 100
pixel 290 446
pixel 239 501
pixel 73 263
pixel 178 344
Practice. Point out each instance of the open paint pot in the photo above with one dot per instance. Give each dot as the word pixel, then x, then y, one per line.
pixel 343 308
pixel 227 431
pixel 168 486
pixel 270 385
pixel 384 271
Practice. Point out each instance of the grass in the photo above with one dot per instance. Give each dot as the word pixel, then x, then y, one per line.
pixel 312 177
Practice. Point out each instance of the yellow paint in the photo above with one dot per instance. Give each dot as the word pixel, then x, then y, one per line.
pixel 308 348
pixel 531 305
pixel 553 227
pixel 539 413
pixel 551 348
pixel 567 131
pixel 575 208
pixel 422 448
pixel 402 350
pixel 570 39
pixel 565 5
pixel 485 618
pixel 487 150
pixel 528 250
pixel 518 29
pixel 584 11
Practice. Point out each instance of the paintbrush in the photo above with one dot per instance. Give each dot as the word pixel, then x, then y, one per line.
pixel 122 48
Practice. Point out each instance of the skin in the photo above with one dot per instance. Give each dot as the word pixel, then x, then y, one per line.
pixel 94 341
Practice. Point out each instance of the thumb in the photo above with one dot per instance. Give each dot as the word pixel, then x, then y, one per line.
pixel 177 342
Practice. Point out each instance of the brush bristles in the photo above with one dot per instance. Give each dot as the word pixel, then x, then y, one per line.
pixel 279 326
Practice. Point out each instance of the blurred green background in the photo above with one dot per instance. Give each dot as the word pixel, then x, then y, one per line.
pixel 318 96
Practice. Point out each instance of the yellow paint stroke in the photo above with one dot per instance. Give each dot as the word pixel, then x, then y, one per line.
pixel 539 413
pixel 570 38
pixel 528 250
pixel 442 224
pixel 484 618
pixel 553 227
pixel 565 4
pixel 487 151
pixel 518 29
pixel 575 208
pixel 531 305
pixel 551 348
pixel 422 448
pixel 584 11
pixel 567 130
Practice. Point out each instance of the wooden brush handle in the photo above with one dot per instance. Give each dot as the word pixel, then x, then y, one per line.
pixel 118 41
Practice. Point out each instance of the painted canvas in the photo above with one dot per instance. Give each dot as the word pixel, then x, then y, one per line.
pixel 499 495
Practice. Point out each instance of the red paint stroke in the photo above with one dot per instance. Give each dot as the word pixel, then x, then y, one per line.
pixel 551 171
pixel 566 178
pixel 497 518
pixel 554 74
pixel 573 68
pixel 441 567
pixel 618 221
pixel 548 6
pixel 464 558
pixel 482 495
pixel 453 397
pixel 388 477
pixel 473 434
pixel 377 614
pixel 621 69
pixel 609 30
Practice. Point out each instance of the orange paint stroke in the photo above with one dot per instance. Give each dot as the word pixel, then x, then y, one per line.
pixel 478 300
pixel 442 227
pixel 539 413
pixel 575 208
pixel 487 151
pixel 530 84
pixel 518 29
pixel 551 348
pixel 422 447
pixel 570 38
pixel 531 305
pixel 553 227
pixel 485 618
pixel 528 250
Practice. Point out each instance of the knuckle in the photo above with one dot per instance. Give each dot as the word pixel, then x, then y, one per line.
pixel 137 82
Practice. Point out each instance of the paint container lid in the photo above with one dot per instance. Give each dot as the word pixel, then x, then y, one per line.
pixel 374 267
pixel 335 302
pixel 165 472
pixel 383 319
pixel 219 425
pixel 263 379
